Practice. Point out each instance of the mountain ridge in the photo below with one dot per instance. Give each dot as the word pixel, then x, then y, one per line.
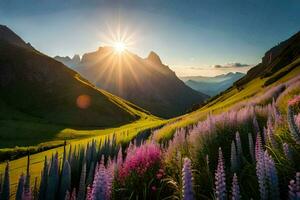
pixel 275 58
pixel 146 82
pixel 44 88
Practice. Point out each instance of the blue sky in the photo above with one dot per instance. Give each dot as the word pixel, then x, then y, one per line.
pixel 189 35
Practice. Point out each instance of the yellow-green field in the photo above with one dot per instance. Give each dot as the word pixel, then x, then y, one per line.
pixel 36 161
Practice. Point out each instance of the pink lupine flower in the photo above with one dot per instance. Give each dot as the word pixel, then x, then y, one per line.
pixel 297 120
pixel 153 188
pixel 139 160
pixel 294 101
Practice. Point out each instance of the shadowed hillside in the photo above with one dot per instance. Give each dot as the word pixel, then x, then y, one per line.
pixel 38 86
pixel 146 82
pixel 274 59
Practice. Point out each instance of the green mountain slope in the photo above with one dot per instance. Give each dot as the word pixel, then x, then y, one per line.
pixel 274 59
pixel 250 86
pixel 39 96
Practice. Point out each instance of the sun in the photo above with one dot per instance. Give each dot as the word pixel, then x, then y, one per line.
pixel 119 46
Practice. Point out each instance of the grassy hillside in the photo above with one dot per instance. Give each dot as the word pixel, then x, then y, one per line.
pixel 124 134
pixel 42 100
pixel 230 98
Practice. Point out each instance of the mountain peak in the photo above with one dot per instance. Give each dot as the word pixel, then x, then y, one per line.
pixel 7 35
pixel 76 58
pixel 153 57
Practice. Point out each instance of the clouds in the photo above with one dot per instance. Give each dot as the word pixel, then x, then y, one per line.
pixel 232 65
pixel 212 70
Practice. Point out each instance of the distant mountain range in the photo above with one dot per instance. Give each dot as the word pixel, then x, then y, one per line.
pixel 147 82
pixel 70 62
pixel 212 85
pixel 41 88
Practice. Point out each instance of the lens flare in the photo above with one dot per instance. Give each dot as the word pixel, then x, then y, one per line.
pixel 83 101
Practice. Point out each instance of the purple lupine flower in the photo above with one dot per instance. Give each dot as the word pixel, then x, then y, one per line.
pixel 270 133
pixel 255 125
pixel 67 197
pixel 258 147
pixel 35 193
pixel 235 188
pixel 239 149
pixel 267 177
pixel 287 151
pixel 294 130
pixel 102 185
pixel 272 177
pixel 187 180
pixel 65 182
pixel 82 187
pixel 20 187
pixel 5 194
pixel 265 136
pixel 294 188
pixel 276 113
pixel 220 179
pixel 53 178
pixel 251 146
pixel 233 158
pixel 261 173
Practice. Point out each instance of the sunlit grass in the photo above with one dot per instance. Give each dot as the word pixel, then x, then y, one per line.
pixel 18 166
pixel 224 102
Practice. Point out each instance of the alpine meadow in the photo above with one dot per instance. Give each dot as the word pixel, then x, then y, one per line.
pixel 149 100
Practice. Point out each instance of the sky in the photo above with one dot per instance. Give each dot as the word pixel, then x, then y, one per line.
pixel 193 37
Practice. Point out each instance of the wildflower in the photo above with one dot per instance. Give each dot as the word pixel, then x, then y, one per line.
pixel 220 181
pixel 139 160
pixel 102 185
pixel 295 132
pixel 6 184
pixel 294 188
pixel 267 177
pixel 20 187
pixel 294 101
pixel 239 149
pixel 153 188
pixel 251 146
pixel 235 188
pixel 233 158
pixel 287 151
pixel 187 179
